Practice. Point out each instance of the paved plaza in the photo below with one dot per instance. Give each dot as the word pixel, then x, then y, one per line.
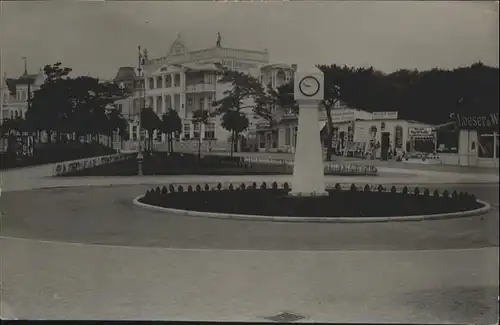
pixel 80 242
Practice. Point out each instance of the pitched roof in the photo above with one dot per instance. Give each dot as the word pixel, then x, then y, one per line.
pixel 125 73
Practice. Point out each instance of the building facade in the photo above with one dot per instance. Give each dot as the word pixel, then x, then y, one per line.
pixel 15 92
pixel 185 81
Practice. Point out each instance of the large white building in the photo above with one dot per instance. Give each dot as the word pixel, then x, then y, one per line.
pixel 185 80
pixel 15 92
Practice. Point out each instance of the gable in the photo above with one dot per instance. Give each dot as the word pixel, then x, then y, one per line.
pixel 178 48
pixel 166 68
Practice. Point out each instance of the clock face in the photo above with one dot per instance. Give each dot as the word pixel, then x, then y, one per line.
pixel 309 86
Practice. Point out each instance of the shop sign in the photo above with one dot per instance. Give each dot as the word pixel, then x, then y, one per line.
pixel 468 122
pixel 343 116
pixel 385 115
pixel 419 132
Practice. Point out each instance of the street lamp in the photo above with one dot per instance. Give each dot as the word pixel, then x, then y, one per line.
pixel 142 100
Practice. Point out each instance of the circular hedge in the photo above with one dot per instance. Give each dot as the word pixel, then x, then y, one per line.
pixel 342 201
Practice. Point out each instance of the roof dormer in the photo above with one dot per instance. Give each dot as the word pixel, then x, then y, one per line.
pixel 178 47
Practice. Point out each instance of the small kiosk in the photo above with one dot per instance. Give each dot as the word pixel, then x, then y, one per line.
pixel 469 141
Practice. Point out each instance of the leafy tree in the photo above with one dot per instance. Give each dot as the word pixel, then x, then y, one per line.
pixel 335 79
pixel 149 122
pixel 74 106
pixel 246 92
pixel 200 117
pixel 170 124
pixel 235 122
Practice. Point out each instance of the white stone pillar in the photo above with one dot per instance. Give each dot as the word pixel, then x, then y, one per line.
pixel 163 104
pixel 155 104
pixel 308 172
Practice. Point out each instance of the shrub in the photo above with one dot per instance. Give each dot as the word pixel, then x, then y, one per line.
pixel 367 188
pixel 254 185
pixel 190 189
pixel 207 188
pixel 164 190
pixel 243 186
pixel 435 193
pixel 405 191
pixel 180 189
pixel 416 191
pixel 427 192
pixel 338 187
pixel 446 194
pixel 454 195
pixel 353 187
pixel 275 185
pixel 380 188
pixel 263 186
pixel 219 186
pixel 198 188
pixel 393 189
pixel 231 188
pixel 286 187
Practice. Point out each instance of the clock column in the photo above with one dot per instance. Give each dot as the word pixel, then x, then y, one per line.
pixel 308 171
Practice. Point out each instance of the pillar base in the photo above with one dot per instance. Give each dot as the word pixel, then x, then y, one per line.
pixel 308 194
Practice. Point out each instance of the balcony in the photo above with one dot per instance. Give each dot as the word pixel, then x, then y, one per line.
pixel 199 88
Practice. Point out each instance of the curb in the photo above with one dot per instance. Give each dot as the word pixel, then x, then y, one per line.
pixel 244 217
pixel 187 183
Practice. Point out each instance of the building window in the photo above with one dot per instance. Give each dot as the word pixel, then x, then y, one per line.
pixel 288 136
pixel 202 104
pixel 398 137
pixel 209 131
pixel 485 144
pixel 177 80
pixel 350 134
pixel 210 78
pixel 168 81
pixel 190 101
pixel 134 133
pixel 187 130
pixel 151 83
pixel 159 82
pixel 262 140
pixel 209 104
pixel 196 130
pixel 158 136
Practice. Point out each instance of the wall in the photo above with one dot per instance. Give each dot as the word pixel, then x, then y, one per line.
pixel 85 163
pixel 467 148
pixel 362 130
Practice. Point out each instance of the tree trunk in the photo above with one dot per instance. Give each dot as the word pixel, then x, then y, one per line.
pixel 232 143
pixel 199 144
pixel 329 149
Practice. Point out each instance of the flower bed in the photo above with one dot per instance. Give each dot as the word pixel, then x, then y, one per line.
pixel 272 200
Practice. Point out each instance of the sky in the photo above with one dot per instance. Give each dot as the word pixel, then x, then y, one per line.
pixel 96 38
